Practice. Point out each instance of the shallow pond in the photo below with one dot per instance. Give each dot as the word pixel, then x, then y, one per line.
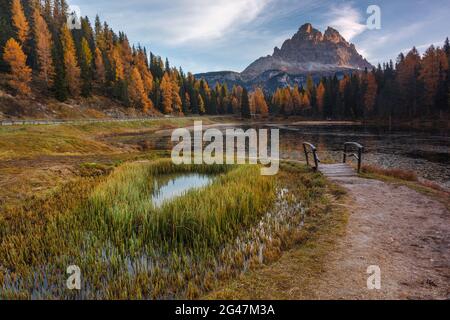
pixel 171 186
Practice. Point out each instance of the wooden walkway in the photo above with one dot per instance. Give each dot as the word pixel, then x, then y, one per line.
pixel 336 171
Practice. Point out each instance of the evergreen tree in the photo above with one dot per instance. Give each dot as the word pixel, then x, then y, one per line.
pixel 245 105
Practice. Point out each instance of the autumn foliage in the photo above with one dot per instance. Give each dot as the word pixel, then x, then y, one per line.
pixel 20 74
pixel 36 44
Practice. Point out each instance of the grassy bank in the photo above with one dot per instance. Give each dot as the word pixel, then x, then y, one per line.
pixel 77 139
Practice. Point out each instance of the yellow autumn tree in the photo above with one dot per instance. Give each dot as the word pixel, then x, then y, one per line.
pixel 20 21
pixel 118 64
pixel 201 104
pixel 306 102
pixel 44 45
pixel 320 97
pixel 297 99
pixel 287 105
pixel 258 102
pixel 20 73
pixel 136 91
pixel 176 99
pixel 72 69
pixel 99 66
pixel 146 75
pixel 166 94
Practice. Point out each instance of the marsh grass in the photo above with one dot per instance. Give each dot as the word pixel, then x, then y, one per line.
pixel 117 236
pixel 129 249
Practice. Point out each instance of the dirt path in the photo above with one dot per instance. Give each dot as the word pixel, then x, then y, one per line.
pixel 403 232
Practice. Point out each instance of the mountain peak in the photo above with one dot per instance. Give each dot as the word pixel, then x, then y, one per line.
pixel 306 28
pixel 334 36
pixel 310 51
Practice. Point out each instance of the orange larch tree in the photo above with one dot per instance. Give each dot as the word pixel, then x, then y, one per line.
pixel 99 67
pixel 72 69
pixel 166 94
pixel 20 73
pixel 44 45
pixel 320 97
pixel 20 22
pixel 136 91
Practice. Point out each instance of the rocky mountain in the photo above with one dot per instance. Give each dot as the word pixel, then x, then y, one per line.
pixel 308 52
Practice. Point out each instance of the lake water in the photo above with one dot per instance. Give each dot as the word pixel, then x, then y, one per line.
pixel 425 152
pixel 168 187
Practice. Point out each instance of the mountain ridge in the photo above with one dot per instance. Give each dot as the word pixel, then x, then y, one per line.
pixel 308 52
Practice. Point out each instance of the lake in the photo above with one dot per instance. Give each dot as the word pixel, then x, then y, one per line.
pixel 426 152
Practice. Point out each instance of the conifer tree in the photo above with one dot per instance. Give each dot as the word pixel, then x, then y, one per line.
pixel 320 95
pixel 259 102
pixel 370 94
pixel 20 73
pixel 99 67
pixel 86 68
pixel 166 94
pixel 434 63
pixel 138 96
pixel 245 105
pixel 297 99
pixel 20 22
pixel 72 70
pixel 44 44
pixel 201 105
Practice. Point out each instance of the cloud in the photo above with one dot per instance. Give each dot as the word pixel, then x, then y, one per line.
pixel 177 22
pixel 347 20
pixel 210 20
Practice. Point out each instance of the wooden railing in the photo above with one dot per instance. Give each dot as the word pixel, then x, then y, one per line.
pixel 348 146
pixel 309 148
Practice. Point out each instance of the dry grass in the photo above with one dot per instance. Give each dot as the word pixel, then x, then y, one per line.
pixel 75 139
pixel 410 180
pixel 394 173
pixel 292 276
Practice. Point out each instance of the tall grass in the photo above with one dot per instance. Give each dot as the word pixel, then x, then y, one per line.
pixel 125 246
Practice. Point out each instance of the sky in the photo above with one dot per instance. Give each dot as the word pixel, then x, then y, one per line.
pixel 216 35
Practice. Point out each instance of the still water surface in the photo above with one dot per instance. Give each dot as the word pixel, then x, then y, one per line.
pixel 425 152
pixel 168 187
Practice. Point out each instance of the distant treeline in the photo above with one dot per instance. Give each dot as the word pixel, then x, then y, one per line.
pixel 415 86
pixel 40 53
